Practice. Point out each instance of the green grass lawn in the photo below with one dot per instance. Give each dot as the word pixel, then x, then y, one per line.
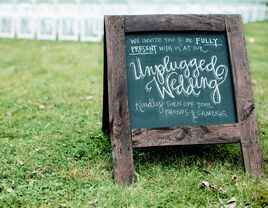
pixel 54 154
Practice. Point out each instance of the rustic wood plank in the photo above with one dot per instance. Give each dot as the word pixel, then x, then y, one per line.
pixel 105 105
pixel 214 134
pixel 147 23
pixel 243 92
pixel 117 95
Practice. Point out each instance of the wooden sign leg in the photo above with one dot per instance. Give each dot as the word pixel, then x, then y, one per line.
pixel 119 125
pixel 246 115
pixel 250 142
pixel 123 160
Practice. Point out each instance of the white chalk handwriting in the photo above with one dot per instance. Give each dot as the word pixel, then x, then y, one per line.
pixel 182 77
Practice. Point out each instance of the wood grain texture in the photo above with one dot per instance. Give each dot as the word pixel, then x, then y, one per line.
pixel 214 134
pixel 147 23
pixel 244 96
pixel 117 95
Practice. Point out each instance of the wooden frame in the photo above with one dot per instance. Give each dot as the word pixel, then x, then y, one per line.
pixel 115 98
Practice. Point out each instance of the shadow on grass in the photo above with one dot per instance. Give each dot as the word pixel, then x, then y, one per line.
pixel 198 155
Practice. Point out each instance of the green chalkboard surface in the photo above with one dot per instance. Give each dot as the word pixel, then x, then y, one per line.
pixel 179 79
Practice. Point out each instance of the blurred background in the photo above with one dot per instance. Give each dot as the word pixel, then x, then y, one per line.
pixel 82 20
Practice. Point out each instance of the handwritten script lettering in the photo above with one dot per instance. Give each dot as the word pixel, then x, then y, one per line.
pixel 182 77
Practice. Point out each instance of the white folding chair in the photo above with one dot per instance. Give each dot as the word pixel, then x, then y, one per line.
pixel 46 25
pixel 243 9
pixel 196 8
pixel 115 7
pixel 253 12
pixel 91 22
pixel 7 19
pixel 68 20
pixel 25 26
pixel 171 7
pixel 261 10
pixel 91 29
pixel 139 7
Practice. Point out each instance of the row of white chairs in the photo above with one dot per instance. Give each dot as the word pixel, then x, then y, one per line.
pixel 74 21
pixel 47 21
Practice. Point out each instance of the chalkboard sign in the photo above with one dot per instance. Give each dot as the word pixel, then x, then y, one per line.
pixel 179 79
pixel 176 80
